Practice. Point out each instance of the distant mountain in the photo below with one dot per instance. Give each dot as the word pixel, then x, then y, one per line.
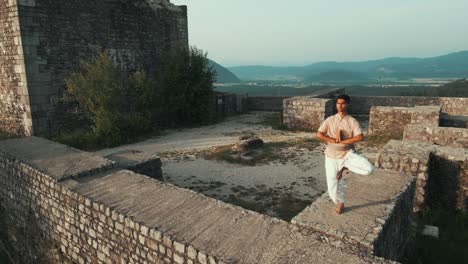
pixel 453 65
pixel 223 75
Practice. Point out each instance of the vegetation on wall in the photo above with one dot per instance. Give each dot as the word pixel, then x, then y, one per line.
pixel 123 106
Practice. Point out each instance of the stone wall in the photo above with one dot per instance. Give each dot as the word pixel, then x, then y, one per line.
pixel 266 103
pixel 275 103
pixel 57 35
pixel 100 214
pixel 444 136
pixel 391 121
pixel 305 112
pixel 410 158
pixel 15 113
pixel 448 182
pixel 441 171
pixel 362 105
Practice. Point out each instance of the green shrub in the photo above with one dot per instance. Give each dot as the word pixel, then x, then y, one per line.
pixel 123 106
pixel 111 99
pixel 186 83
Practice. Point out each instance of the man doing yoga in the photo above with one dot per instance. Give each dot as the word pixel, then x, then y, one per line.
pixel 341 131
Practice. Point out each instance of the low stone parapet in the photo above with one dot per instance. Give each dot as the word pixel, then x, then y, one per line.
pixel 305 112
pixel 443 136
pixel 109 215
pixel 376 218
pixel 441 171
pixel 391 121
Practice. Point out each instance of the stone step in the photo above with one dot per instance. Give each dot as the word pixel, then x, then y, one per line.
pixel 376 206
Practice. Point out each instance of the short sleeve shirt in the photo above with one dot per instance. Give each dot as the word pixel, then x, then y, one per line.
pixel 349 127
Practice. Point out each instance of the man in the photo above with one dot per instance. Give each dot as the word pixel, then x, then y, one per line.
pixel 341 131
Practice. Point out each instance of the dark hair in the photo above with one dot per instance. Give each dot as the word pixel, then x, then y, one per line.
pixel 344 97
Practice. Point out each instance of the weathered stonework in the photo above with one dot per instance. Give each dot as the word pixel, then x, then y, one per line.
pixel 54 36
pixel 441 171
pixel 391 121
pixel 117 216
pixel 409 158
pixel 362 105
pixel 377 216
pixel 15 112
pixel 306 113
pixel 275 103
pixel 444 136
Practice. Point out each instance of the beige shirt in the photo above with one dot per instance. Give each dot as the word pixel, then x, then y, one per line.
pixel 349 128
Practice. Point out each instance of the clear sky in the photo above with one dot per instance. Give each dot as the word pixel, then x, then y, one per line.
pixel 299 32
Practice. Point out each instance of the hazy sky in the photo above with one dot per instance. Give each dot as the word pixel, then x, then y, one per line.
pixel 298 32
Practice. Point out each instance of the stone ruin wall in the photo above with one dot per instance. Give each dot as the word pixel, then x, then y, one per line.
pixel 361 105
pixel 391 121
pixel 306 113
pixel 57 35
pixel 275 103
pixel 86 231
pixel 15 113
pixel 443 136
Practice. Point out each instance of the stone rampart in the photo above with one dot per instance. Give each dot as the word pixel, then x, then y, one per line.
pixel 444 136
pixel 97 214
pixel 266 103
pixel 377 215
pixel 441 171
pixel 306 113
pixel 361 105
pixel 15 113
pixel 275 103
pixel 54 36
pixel 391 121
pixel 408 158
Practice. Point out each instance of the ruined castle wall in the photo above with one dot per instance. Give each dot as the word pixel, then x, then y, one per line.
pixel 56 35
pixel 411 158
pixel 275 103
pixel 87 231
pixel 391 121
pixel 449 105
pixel 266 103
pixel 306 113
pixel 15 114
pixel 444 136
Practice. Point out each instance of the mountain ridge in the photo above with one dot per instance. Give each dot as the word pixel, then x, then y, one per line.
pixel 452 65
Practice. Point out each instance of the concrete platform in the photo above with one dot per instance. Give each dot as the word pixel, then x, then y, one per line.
pixel 230 233
pixel 56 160
pixel 371 204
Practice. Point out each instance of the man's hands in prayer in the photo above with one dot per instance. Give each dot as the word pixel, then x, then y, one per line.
pixel 338 136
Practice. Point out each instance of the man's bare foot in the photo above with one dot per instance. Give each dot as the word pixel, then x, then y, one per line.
pixel 339 208
pixel 340 173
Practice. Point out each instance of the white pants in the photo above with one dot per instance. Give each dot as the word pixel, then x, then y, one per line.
pixel 353 162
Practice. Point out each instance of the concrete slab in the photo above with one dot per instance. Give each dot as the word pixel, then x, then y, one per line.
pixel 232 234
pixel 369 202
pixel 56 160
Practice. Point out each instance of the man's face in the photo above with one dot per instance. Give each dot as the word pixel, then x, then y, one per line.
pixel 341 106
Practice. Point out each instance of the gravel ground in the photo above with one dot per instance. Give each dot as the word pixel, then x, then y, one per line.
pixel 279 187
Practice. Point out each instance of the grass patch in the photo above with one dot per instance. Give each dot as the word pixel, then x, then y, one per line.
pixel 452 245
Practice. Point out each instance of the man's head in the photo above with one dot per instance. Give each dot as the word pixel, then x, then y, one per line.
pixel 342 103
